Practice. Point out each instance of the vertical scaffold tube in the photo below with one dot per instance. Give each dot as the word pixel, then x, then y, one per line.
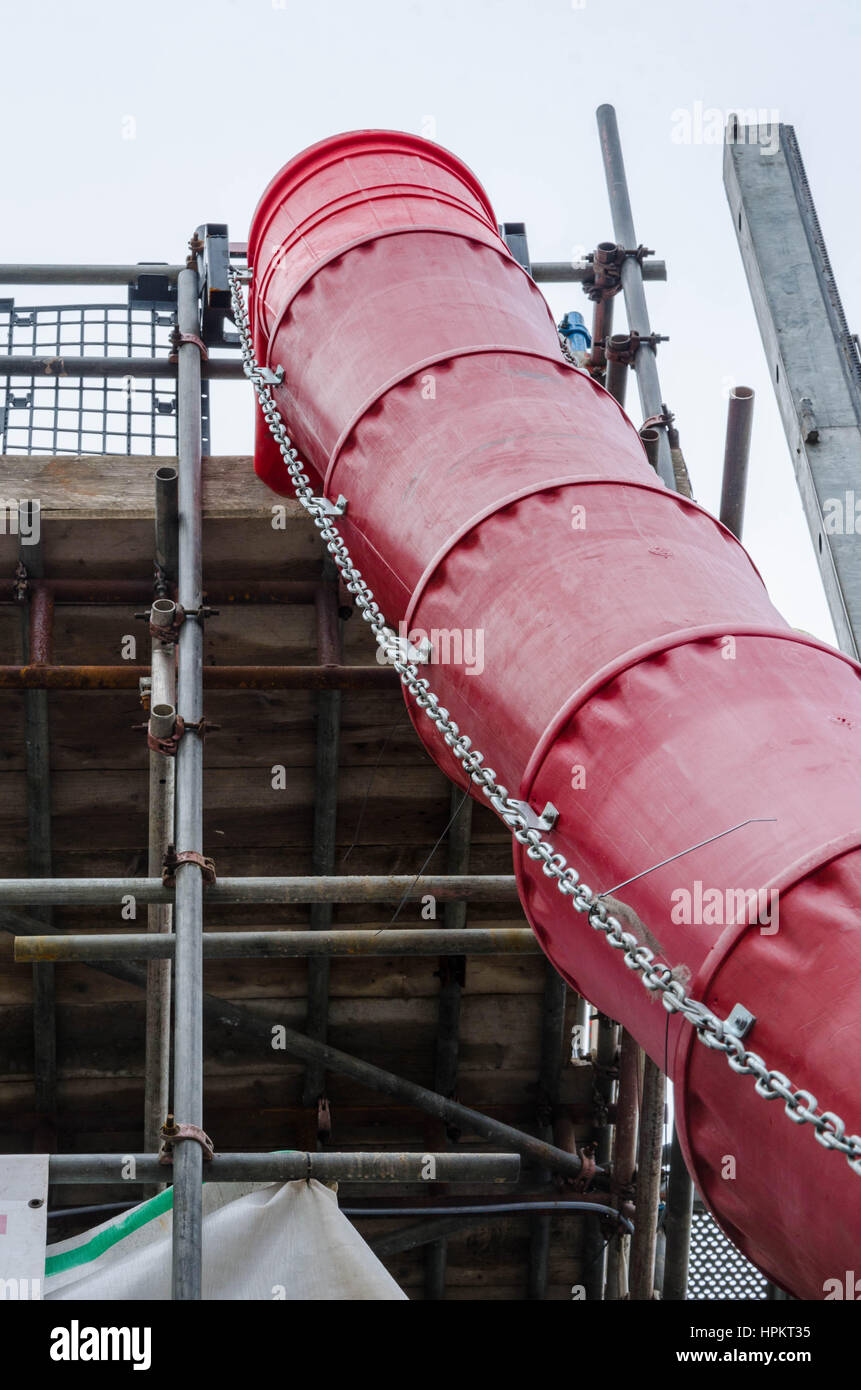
pixel 605 642
pixel 188 908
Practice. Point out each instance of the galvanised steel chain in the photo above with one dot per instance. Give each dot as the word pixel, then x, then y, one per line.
pixel 656 976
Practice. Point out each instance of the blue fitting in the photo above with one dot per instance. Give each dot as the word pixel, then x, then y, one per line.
pixel 573 327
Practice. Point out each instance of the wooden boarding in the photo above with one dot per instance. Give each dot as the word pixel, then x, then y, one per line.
pixel 394 806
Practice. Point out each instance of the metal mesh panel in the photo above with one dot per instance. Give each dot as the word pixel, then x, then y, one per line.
pixel 717 1269
pixel 89 415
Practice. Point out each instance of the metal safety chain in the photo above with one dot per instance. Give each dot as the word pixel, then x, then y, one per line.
pixel 801 1106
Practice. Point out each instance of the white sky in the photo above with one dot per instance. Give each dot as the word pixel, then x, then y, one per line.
pixel 222 93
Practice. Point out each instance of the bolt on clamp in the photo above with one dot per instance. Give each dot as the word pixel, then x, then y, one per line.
pixel 172 860
pixel 171 1133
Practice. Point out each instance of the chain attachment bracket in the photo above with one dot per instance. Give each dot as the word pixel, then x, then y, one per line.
pixel 269 376
pixel 329 508
pixel 740 1021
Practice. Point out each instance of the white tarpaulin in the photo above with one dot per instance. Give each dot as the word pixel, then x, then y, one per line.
pixel 279 1241
pixel 23 1220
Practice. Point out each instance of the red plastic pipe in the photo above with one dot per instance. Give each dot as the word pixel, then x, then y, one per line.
pixel 606 643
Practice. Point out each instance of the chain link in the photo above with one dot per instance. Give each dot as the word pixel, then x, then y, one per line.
pixel 801 1107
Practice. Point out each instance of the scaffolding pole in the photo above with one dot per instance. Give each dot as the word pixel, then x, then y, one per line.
pixel 235 1018
pixel 188 909
pixel 645 360
pixel 288 1166
pixel 304 944
pixel 349 888
pixel 14 274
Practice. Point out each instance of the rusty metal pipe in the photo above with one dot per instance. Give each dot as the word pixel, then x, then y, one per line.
pixel 235 945
pixel 41 624
pixel 127 677
pixel 226 591
pixel 616 380
pixel 606 261
pixel 602 326
pixel 167 521
pixel 328 625
pixel 651 442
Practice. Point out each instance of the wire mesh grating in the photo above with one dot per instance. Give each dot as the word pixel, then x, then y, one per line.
pixel 89 415
pixel 716 1268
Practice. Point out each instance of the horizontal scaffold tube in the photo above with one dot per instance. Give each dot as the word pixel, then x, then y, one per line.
pixel 221 945
pixel 57 368
pixel 236 1018
pixel 347 888
pixel 40 676
pixel 560 271
pixel 286 1167
pixel 605 643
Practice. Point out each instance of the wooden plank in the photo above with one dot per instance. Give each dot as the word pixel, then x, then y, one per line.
pixel 115 487
pixel 351 979
pixel 243 809
pixel 93 729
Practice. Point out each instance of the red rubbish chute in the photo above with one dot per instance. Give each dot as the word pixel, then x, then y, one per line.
pixel 606 643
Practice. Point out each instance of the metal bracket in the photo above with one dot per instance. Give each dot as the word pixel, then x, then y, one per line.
pixel 606 279
pixel 583 1181
pixel 324 1120
pixel 626 353
pixel 169 633
pixel 21 584
pixel 172 1133
pixel 329 508
pixel 546 821
pixel 202 613
pixel 666 417
pixel 269 377
pixel 408 651
pixel 172 860
pixel 740 1021
pixel 244 275
pixel 167 746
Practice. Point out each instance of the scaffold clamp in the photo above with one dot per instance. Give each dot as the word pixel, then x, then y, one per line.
pixel 177 339
pixel 172 1134
pixel 172 861
pixel 166 745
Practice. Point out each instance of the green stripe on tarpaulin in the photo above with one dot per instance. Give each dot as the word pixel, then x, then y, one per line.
pixel 118 1230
